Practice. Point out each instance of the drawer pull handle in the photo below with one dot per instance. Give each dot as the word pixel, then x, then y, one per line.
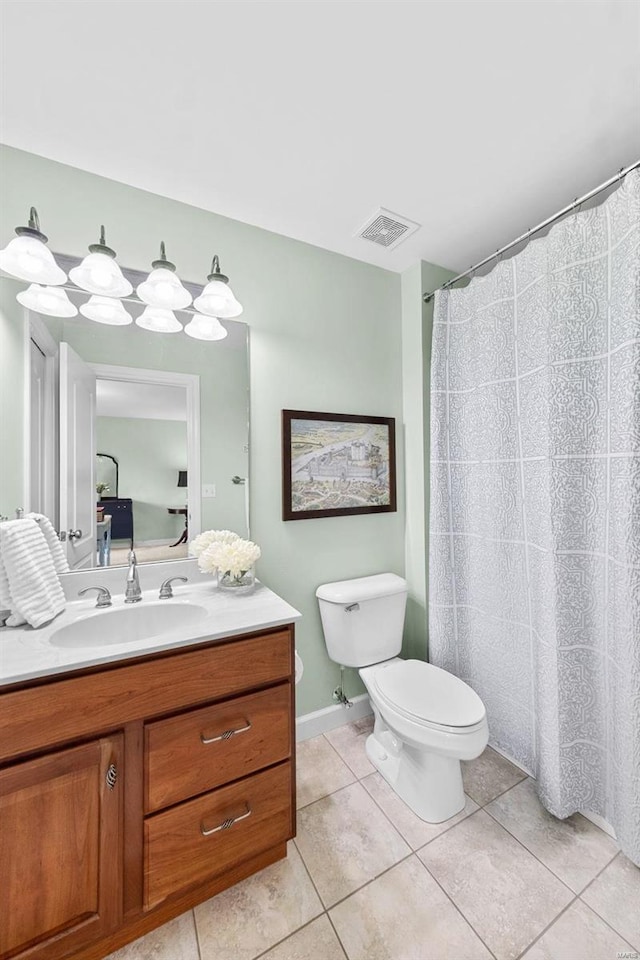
pixel 227 734
pixel 225 823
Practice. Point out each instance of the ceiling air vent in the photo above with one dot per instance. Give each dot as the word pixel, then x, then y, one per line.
pixel 387 229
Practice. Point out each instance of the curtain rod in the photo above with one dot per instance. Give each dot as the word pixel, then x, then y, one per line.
pixel 545 223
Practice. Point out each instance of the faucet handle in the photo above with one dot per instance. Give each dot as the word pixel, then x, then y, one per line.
pixel 165 590
pixel 104 597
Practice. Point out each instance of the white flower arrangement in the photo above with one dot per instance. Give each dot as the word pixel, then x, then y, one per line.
pixel 204 540
pixel 231 557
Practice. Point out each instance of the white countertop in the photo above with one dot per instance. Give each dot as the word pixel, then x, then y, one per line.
pixel 26 654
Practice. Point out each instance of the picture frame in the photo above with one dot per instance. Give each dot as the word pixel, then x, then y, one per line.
pixel 337 464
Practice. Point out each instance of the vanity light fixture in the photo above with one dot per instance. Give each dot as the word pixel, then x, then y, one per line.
pixel 50 301
pixel 217 298
pixel 163 288
pixel 106 310
pixel 205 328
pixel 27 257
pixel 159 320
pixel 99 273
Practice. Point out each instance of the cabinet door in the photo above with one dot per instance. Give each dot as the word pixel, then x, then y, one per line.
pixel 60 850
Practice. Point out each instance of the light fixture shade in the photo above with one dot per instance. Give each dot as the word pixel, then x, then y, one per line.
pixel 27 258
pixel 99 273
pixel 217 299
pixel 163 288
pixel 205 328
pixel 159 320
pixel 106 310
pixel 50 301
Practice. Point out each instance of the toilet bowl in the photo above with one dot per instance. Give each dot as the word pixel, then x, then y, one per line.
pixel 426 719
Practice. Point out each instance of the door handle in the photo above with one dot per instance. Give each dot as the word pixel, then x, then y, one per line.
pixel 74 534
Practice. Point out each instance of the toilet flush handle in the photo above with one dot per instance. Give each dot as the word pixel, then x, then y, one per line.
pixel 351 607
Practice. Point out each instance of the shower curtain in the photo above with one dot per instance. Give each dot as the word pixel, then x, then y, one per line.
pixel 535 507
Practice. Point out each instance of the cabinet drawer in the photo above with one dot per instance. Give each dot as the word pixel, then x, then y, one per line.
pixel 33 718
pixel 204 837
pixel 205 748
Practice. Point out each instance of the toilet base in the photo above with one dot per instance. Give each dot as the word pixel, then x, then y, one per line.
pixel 430 784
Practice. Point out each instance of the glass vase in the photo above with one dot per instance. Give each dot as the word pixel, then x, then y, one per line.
pixel 243 582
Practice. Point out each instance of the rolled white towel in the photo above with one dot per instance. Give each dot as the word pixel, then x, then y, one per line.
pixel 60 561
pixel 29 584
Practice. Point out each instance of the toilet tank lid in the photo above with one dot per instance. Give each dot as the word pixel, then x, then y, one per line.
pixel 363 588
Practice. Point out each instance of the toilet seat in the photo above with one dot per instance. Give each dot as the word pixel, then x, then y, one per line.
pixel 429 696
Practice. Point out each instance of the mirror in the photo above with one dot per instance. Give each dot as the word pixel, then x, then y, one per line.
pixel 165 421
pixel 106 475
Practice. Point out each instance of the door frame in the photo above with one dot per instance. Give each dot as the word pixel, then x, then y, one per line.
pixel 35 329
pixel 190 382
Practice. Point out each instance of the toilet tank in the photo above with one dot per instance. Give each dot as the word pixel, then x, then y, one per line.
pixel 363 619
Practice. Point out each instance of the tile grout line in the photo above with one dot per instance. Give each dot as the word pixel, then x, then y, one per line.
pixel 344 759
pixel 536 857
pixel 451 901
pixel 548 927
pixel 263 953
pixel 530 852
pixel 414 852
pixel 599 915
pixel 197 933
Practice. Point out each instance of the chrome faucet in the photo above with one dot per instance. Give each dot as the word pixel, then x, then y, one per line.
pixel 133 593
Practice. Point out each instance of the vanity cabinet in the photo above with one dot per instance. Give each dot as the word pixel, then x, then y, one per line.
pixel 131 792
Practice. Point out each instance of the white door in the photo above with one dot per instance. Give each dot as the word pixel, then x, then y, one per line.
pixel 77 458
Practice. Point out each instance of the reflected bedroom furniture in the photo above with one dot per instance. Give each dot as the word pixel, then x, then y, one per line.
pixel 103 537
pixel 182 512
pixel 121 510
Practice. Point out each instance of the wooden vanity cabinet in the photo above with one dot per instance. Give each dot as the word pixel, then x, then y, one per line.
pixel 132 792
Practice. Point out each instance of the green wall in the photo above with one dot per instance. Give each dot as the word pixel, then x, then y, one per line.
pixel 325 335
pixel 149 455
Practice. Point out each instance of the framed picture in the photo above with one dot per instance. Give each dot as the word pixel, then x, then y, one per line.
pixel 336 464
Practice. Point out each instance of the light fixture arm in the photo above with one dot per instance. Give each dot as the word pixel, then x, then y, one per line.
pixel 163 263
pixel 101 246
pixel 215 271
pixel 33 229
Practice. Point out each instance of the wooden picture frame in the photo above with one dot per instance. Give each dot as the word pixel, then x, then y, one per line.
pixel 337 464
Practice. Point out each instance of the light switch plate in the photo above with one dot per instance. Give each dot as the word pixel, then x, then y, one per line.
pixel 208 491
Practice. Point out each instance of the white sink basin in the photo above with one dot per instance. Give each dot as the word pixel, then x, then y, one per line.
pixel 128 624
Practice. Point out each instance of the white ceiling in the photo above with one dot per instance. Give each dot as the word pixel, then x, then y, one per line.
pixel 140 401
pixel 475 119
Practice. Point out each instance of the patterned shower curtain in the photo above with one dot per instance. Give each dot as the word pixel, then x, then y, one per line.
pixel 535 507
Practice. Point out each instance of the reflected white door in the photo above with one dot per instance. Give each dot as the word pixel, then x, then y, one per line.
pixel 77 458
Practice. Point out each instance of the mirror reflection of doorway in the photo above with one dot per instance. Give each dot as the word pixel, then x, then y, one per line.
pixel 141 431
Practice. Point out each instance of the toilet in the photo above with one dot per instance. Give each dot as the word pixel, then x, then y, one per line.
pixel 426 720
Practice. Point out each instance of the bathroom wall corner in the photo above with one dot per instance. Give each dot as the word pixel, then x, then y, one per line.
pixel 417 320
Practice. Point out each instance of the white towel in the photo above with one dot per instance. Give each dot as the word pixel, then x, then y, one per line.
pixel 29 584
pixel 60 561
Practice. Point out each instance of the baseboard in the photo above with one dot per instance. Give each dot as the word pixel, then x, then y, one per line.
pixel 313 724
pixel 600 822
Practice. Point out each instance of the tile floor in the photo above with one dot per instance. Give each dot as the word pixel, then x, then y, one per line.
pixel 365 879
